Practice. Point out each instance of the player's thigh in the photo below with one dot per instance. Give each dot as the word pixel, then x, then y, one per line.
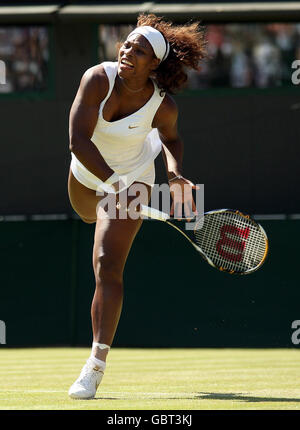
pixel 113 240
pixel 83 200
pixel 112 243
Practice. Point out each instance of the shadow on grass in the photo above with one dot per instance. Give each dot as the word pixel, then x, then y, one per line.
pixel 206 396
pixel 243 398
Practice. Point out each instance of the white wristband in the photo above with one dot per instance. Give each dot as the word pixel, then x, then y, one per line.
pixel 112 179
pixel 107 185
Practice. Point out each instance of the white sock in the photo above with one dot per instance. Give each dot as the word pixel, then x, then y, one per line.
pixel 99 363
pixel 101 345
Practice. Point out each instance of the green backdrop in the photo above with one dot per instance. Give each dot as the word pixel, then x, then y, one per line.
pixel 172 298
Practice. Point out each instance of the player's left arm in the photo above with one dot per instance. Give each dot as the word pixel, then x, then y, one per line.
pixel 165 121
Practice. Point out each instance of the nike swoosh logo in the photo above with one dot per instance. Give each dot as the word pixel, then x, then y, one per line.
pixel 133 126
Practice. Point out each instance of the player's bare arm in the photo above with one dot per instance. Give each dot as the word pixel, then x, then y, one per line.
pixel 172 151
pixel 166 122
pixel 83 119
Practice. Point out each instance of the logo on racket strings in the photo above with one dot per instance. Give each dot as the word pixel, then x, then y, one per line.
pixel 227 242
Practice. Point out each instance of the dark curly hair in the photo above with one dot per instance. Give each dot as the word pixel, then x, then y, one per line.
pixel 187 49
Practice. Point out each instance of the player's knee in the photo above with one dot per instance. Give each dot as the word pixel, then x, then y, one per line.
pixel 108 271
pixel 110 283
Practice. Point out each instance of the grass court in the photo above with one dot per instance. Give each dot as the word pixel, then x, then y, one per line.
pixel 154 379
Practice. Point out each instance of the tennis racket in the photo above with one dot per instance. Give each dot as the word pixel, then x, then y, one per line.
pixel 227 239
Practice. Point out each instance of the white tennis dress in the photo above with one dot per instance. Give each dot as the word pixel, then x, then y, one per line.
pixel 128 145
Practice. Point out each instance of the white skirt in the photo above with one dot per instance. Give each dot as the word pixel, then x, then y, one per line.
pixel 143 171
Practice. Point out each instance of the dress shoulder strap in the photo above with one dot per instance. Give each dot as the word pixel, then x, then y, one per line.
pixel 154 103
pixel 110 69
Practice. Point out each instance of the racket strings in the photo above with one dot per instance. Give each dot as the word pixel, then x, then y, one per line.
pixel 250 257
pixel 231 241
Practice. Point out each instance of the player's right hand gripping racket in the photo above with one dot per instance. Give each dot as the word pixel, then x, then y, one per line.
pixel 227 239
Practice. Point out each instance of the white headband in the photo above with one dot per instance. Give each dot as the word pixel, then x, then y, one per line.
pixel 159 44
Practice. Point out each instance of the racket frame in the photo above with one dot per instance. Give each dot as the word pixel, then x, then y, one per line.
pixel 162 216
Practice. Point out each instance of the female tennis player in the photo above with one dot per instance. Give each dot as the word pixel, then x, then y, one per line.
pixel 121 118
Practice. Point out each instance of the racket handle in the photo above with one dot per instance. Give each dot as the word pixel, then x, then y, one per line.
pixel 148 212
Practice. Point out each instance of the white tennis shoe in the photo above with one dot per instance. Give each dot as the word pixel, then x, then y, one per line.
pixel 86 385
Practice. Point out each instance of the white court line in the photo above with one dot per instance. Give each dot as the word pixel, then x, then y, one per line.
pixel 101 393
pixel 32 391
pixel 137 395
